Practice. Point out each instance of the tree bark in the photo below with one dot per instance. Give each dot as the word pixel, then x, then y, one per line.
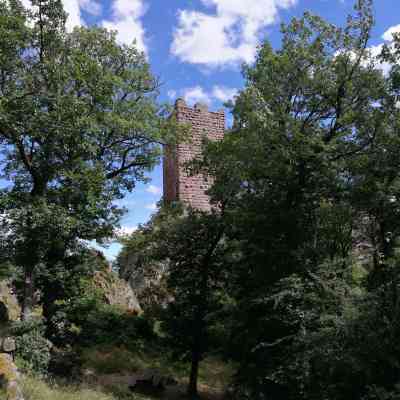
pixel 194 374
pixel 29 262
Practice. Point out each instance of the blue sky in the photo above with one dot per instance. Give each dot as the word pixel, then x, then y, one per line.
pixel 196 48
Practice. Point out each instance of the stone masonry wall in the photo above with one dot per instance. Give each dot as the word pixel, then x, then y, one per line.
pixel 178 185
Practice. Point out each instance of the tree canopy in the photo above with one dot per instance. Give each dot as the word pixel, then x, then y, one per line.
pixel 79 126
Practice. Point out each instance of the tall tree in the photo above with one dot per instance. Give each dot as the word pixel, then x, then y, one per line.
pixel 187 250
pixel 310 159
pixel 79 126
pixel 197 259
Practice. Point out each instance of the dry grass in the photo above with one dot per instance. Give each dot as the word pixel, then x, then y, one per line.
pixel 110 360
pixel 215 374
pixel 34 389
pixel 114 360
pixel 111 366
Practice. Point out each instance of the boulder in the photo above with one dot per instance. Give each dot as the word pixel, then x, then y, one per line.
pixel 8 345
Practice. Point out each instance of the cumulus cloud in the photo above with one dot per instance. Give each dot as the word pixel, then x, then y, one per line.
pixel 153 190
pixel 388 35
pixel 197 94
pixel 229 36
pixel 126 20
pixel 223 93
pixel 375 51
pixel 73 9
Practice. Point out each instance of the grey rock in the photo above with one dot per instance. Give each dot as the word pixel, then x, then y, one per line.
pixel 10 309
pixel 151 379
pixel 8 345
pixel 117 291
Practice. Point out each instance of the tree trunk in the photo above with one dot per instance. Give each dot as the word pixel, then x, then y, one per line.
pixel 28 296
pixel 194 374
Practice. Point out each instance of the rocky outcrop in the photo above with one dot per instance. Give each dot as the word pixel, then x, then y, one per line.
pixel 117 291
pixel 146 277
pixel 9 378
pixel 9 307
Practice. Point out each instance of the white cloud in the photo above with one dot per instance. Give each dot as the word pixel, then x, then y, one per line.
pixel 73 9
pixel 26 3
pixel 92 7
pixel 223 93
pixel 153 190
pixel 230 36
pixel 375 52
pixel 371 56
pixel 196 95
pixel 388 35
pixel 126 20
pixel 152 206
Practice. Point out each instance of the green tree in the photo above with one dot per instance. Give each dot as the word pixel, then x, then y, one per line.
pixel 186 251
pixel 79 126
pixel 196 281
pixel 309 162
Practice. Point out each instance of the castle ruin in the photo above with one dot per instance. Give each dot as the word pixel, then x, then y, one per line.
pixel 178 184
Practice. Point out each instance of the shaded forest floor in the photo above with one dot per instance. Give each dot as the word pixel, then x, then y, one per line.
pixel 108 373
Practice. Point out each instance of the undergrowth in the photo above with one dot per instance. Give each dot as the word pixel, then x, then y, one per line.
pixel 35 389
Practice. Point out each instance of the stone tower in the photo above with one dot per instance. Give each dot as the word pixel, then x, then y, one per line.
pixel 178 186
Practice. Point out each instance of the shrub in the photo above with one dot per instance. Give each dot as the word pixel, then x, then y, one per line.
pixel 33 349
pixel 379 393
pixel 111 360
pixel 87 320
pixel 111 325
